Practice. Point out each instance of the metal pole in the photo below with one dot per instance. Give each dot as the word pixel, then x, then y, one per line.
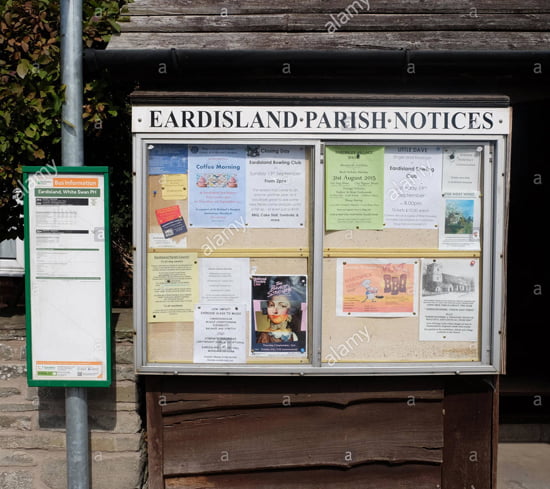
pixel 72 154
pixel 72 132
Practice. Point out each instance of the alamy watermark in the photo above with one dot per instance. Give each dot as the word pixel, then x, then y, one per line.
pixel 40 176
pixel 221 238
pixel 344 349
pixel 344 16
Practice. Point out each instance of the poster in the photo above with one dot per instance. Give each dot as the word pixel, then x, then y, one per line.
pixel 461 171
pixel 412 187
pixel 460 224
pixel 279 315
pixel 224 280
pixel 168 159
pixel 276 186
pixel 217 183
pixel 376 287
pixel 354 197
pixel 173 187
pixel 449 305
pixel 171 221
pixel 219 333
pixel 67 276
pixel 172 287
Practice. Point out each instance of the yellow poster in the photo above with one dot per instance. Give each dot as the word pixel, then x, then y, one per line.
pixel 173 187
pixel 172 286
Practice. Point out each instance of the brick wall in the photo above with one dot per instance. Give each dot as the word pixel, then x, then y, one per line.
pixel 32 419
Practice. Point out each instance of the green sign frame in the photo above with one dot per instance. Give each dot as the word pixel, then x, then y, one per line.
pixel 60 260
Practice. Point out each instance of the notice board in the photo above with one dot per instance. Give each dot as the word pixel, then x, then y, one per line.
pixel 366 241
pixel 67 276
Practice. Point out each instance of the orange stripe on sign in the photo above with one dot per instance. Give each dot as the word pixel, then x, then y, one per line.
pixel 76 182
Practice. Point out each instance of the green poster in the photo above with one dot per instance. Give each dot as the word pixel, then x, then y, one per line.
pixel 354 187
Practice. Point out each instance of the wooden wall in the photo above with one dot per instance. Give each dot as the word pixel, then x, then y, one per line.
pixel 317 433
pixel 336 24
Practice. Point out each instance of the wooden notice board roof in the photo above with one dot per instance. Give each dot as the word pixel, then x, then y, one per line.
pixel 335 25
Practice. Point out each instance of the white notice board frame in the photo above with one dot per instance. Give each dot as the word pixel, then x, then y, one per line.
pixel 68 306
pixel 485 127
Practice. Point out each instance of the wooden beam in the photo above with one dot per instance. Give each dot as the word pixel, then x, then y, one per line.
pixel 464 40
pixel 230 7
pixel 307 22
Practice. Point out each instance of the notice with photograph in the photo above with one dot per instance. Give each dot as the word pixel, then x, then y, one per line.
pixel 449 304
pixel 219 333
pixel 460 225
pixel 224 280
pixel 461 171
pixel 217 183
pixel 376 287
pixel 276 186
pixel 279 315
pixel 172 289
pixel 354 187
pixel 412 187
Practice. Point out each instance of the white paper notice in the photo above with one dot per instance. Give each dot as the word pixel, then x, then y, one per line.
pixel 157 240
pixel 276 187
pixel 460 225
pixel 220 333
pixel 412 187
pixel 224 280
pixel 449 305
pixel 461 167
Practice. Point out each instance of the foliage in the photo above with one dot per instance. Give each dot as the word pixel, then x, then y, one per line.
pixel 31 97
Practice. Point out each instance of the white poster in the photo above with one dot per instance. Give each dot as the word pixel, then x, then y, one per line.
pixel 275 191
pixel 460 224
pixel 220 333
pixel 66 262
pixel 449 303
pixel 224 280
pixel 412 187
pixel 461 171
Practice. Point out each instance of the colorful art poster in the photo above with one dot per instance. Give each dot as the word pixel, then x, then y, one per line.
pixel 276 186
pixel 376 287
pixel 219 333
pixel 171 221
pixel 354 195
pixel 460 226
pixel 279 315
pixel 412 187
pixel 461 171
pixel 449 304
pixel 217 183
pixel 167 159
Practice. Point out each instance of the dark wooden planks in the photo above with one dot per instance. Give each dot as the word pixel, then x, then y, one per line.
pixel 442 40
pixel 310 436
pixel 373 476
pixel 221 7
pixel 470 434
pixel 155 442
pixel 307 22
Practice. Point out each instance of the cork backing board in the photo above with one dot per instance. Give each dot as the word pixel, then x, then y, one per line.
pixel 237 236
pixel 380 339
pixel 173 342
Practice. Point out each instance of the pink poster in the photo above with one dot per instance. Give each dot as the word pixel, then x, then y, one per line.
pixel 376 287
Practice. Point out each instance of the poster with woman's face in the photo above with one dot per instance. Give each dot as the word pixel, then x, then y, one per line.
pixel 279 315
